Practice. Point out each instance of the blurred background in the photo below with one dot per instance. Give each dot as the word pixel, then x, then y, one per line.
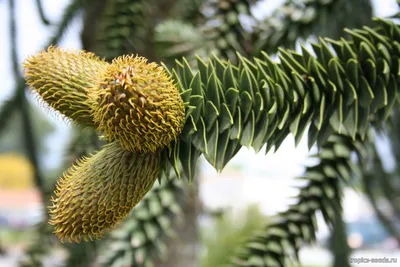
pixel 217 211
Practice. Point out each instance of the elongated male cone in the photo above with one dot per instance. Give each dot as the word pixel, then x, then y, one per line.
pixel 137 103
pixel 62 78
pixel 98 192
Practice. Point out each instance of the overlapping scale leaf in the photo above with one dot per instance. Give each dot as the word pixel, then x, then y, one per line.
pixel 142 237
pixel 281 240
pixel 255 103
pixel 300 19
pixel 122 29
pixel 225 29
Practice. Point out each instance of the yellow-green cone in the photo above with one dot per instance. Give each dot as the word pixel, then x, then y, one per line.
pixel 98 192
pixel 138 104
pixel 63 78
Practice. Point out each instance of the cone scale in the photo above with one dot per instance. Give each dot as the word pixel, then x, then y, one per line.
pixel 135 105
pixel 98 192
pixel 63 78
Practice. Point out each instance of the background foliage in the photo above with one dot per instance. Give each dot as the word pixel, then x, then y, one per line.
pixel 339 90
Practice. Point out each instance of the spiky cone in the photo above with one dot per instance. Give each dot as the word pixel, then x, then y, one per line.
pixel 62 79
pixel 98 192
pixel 138 104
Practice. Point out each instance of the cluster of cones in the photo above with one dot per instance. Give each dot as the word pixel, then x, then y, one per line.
pixel 135 105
